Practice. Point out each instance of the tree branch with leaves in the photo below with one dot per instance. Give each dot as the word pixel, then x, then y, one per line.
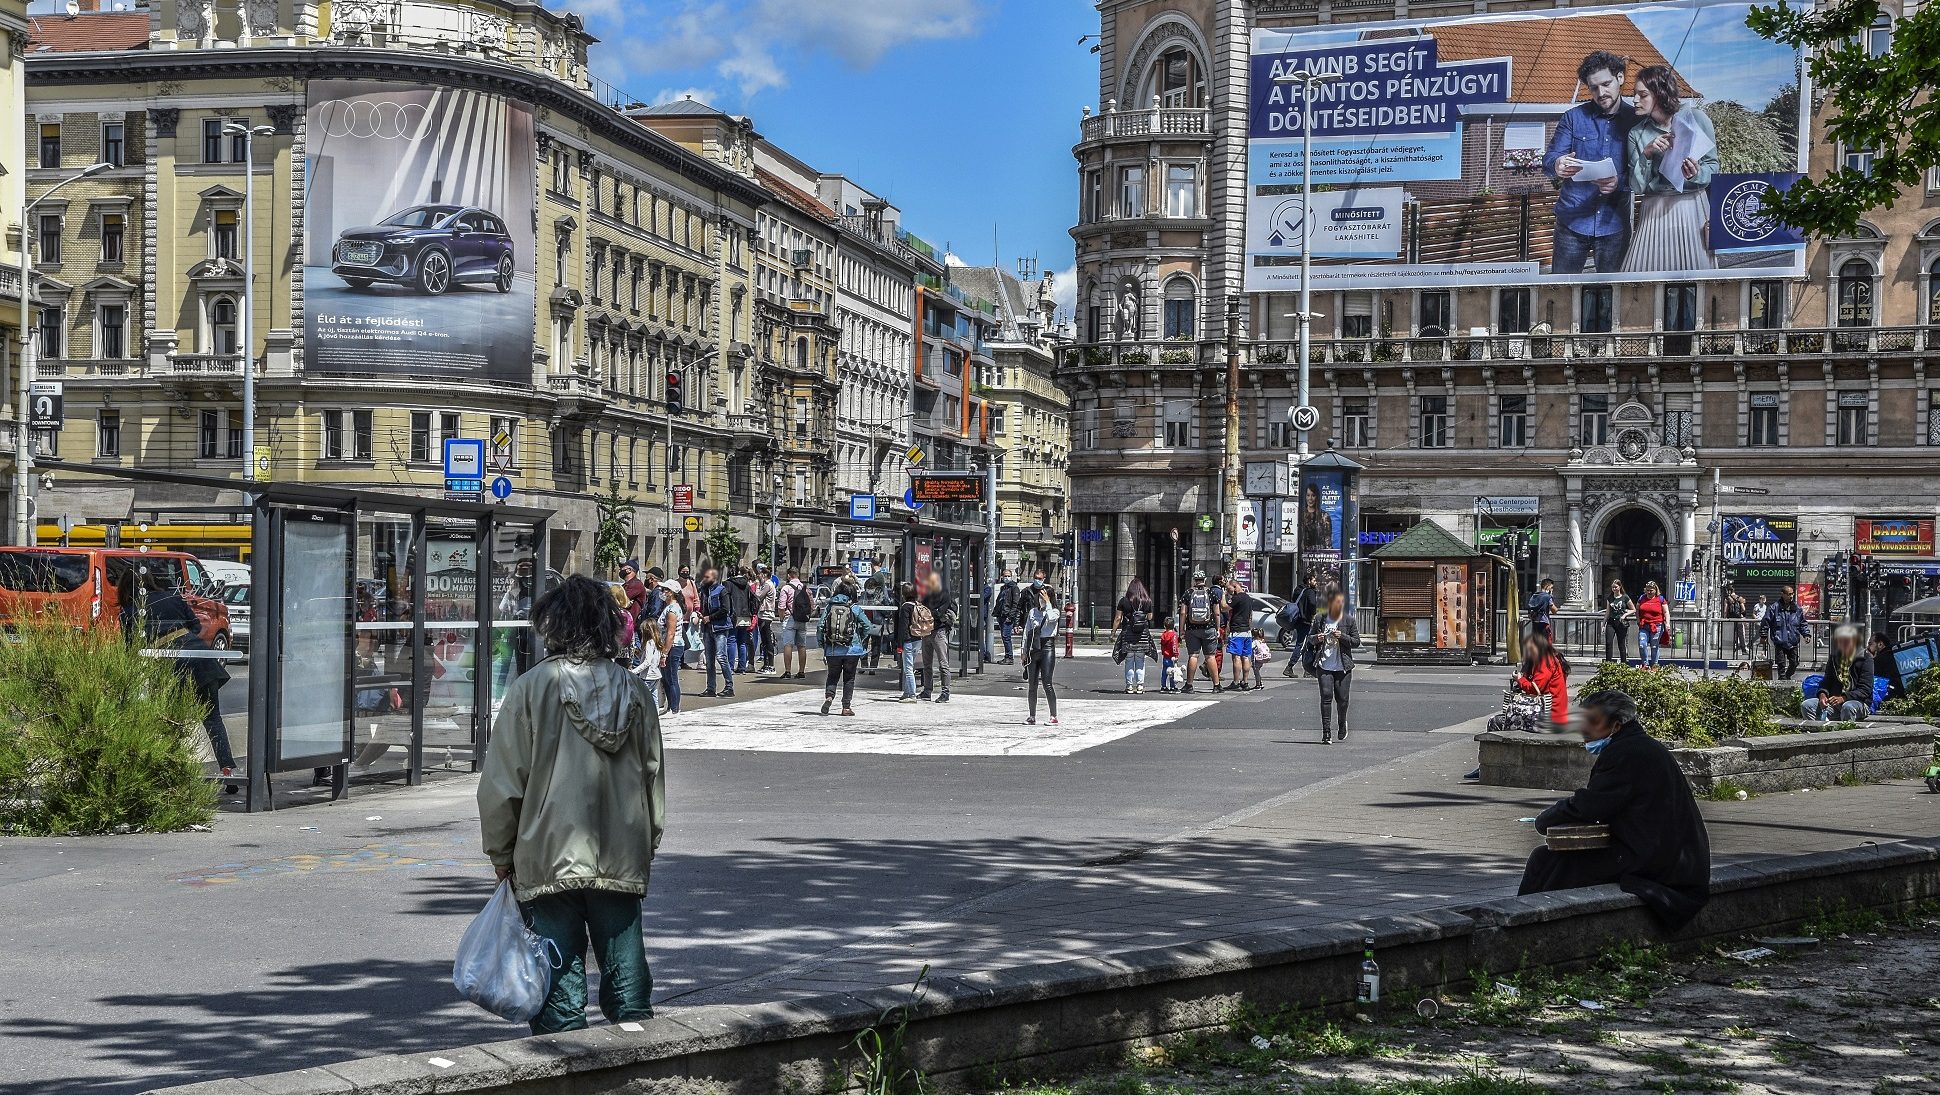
pixel 1878 102
pixel 613 536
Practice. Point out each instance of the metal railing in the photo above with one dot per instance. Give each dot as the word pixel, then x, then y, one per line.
pixel 203 365
pixel 1793 344
pixel 1582 638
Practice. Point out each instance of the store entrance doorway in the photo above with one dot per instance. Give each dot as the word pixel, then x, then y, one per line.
pixel 1635 549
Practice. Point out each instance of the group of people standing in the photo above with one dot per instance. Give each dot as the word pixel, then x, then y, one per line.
pixel 719 624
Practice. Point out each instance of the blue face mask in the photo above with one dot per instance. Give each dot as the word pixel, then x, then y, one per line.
pixel 1595 747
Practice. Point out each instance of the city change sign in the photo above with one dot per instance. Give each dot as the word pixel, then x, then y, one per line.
pixel 1634 142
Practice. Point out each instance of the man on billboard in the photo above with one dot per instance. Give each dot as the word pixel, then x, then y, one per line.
pixel 1586 157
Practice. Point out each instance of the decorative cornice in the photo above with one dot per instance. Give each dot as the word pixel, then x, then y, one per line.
pixel 130 67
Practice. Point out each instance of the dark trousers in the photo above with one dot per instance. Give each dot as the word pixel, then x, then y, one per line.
pixel 1005 629
pixel 670 677
pixel 1616 642
pixel 767 630
pixel 743 650
pixel 1299 631
pixel 841 669
pixel 1041 666
pixel 1549 870
pixel 1333 693
pixel 1573 250
pixel 611 923
pixel 210 696
pixel 1785 660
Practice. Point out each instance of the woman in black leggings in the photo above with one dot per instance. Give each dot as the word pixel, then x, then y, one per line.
pixel 1041 649
pixel 1330 648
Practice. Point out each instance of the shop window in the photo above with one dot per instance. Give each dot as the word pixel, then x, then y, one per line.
pixel 1512 423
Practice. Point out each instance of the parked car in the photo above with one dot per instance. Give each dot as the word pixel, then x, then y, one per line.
pixel 235 597
pixel 1266 618
pixel 429 248
pixel 83 585
pixel 224 573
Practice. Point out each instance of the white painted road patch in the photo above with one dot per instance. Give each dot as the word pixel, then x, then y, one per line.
pixel 967 726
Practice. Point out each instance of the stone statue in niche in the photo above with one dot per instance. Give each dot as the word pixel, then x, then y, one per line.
pixel 1125 316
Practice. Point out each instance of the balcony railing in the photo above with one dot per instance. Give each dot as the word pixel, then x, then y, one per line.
pixel 1184 122
pixel 200 365
pixel 1751 345
pixel 580 384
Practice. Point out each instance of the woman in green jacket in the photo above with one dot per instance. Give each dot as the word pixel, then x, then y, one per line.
pixel 1673 221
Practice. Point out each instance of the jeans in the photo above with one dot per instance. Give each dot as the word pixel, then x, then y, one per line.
pixel 906 657
pixel 936 661
pixel 725 650
pixel 670 677
pixel 1573 250
pixel 1006 628
pixel 1333 693
pixel 611 922
pixel 1648 644
pixel 1299 631
pixel 1134 670
pixel 1847 711
pixel 1165 673
pixel 841 668
pixel 1616 642
pixel 743 650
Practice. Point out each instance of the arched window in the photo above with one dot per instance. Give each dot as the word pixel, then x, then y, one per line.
pixel 1094 313
pixel 1177 79
pixel 1855 294
pixel 1181 308
pixel 1933 292
pixel 222 327
pixel 1879 36
pixel 801 353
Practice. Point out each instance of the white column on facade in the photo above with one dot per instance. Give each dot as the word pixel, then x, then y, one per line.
pixel 1686 531
pixel 1578 593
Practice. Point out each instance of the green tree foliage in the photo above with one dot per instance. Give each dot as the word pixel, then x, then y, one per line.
pixel 94 736
pixel 723 545
pixel 1748 141
pixel 1884 103
pixel 614 534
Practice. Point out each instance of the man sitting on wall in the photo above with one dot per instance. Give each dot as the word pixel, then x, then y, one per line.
pixel 1659 849
pixel 1846 684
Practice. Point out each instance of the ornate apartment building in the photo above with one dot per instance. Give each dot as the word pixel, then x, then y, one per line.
pixel 13 153
pixel 1593 414
pixel 456 235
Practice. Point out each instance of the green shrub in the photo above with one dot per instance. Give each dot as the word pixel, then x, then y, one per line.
pixel 1693 713
pixel 1921 701
pixel 94 736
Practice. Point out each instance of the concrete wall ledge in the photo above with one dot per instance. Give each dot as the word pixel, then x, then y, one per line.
pixel 1039 1020
pixel 1870 751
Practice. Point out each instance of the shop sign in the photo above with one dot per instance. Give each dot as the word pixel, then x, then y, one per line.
pixel 1510 506
pixel 1760 548
pixel 1893 535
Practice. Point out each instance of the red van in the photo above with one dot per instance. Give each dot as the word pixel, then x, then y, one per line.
pixel 82 585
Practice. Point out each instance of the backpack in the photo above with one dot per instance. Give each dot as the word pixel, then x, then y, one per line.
pixel 1289 615
pixel 1199 610
pixel 801 607
pixel 839 630
pixel 1141 617
pixel 922 622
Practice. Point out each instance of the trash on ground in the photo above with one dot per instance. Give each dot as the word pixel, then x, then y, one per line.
pixel 1751 954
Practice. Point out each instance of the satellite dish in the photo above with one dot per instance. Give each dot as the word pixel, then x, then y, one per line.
pixel 73 8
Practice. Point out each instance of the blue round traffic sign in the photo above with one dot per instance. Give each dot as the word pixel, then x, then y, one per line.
pixel 909 498
pixel 501 488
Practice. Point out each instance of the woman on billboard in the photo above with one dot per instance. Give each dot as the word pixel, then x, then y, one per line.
pixel 1672 224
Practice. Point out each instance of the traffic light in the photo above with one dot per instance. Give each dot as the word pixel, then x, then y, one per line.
pixel 675 402
pixel 1066 546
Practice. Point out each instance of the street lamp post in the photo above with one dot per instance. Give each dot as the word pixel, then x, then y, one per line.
pixel 23 457
pixel 246 318
pixel 1307 79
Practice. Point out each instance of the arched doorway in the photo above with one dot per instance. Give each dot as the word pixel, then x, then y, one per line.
pixel 1635 548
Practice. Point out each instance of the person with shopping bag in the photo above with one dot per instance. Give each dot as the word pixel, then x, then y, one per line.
pixel 572 802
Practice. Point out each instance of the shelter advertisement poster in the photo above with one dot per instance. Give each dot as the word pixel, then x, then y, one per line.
pixel 1323 504
pixel 419 242
pixel 1758 548
pixel 1624 143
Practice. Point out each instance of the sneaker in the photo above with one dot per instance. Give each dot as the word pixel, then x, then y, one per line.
pixel 709 694
pixel 229 788
pixel 924 696
pixel 944 696
pixel 1187 687
pixel 905 699
pixel 827 703
pixel 848 712
pixel 1326 738
pixel 1054 720
pixel 1342 736
pixel 1030 720
pixel 727 693
pixel 1139 688
pixel 1475 775
pixel 1128 690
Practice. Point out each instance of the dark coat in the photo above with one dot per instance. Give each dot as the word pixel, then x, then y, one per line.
pixel 1860 672
pixel 1350 638
pixel 1659 848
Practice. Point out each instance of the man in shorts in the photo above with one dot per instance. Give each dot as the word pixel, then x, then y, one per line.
pixel 795 608
pixel 1199 612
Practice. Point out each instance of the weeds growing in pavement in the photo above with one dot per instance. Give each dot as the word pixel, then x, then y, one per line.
pixel 1624 974
pixel 1842 919
pixel 885 1065
pixel 1725 790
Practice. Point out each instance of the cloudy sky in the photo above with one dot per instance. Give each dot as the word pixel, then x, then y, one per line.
pixel 962 112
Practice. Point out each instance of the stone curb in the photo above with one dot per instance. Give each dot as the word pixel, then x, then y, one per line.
pixel 1028 1021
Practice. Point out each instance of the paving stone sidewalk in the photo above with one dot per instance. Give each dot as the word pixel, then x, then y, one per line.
pixel 1405 835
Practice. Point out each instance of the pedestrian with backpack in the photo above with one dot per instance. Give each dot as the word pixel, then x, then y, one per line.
pixel 905 640
pixel 845 632
pixel 1542 606
pixel 935 617
pixel 1041 649
pixel 1009 600
pixel 1133 622
pixel 1298 619
pixel 1199 612
pixel 797 608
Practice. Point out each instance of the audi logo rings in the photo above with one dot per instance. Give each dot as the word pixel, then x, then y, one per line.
pixel 379 119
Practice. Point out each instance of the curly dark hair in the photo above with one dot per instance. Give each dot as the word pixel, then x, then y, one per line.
pixel 1661 82
pixel 1601 60
pixel 578 619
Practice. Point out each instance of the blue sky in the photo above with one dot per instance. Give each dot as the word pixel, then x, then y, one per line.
pixel 962 112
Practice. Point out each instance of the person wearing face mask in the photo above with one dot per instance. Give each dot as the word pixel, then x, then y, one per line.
pixel 1659 849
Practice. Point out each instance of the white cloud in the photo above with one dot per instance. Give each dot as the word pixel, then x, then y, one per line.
pixel 1064 289
pixel 707 95
pixel 754 43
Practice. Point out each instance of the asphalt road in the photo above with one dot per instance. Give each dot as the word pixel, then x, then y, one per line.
pixel 323 932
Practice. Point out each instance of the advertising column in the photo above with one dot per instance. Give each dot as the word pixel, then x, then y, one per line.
pixel 419 252
pixel 1329 516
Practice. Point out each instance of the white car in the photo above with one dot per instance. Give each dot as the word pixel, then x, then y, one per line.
pixel 235 594
pixel 225 572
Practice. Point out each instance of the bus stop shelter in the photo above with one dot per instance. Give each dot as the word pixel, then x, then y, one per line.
pixel 383 628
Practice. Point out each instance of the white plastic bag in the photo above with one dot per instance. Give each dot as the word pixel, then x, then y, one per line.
pixel 502 965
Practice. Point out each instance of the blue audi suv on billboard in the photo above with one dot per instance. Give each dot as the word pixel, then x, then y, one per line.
pixel 429 248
